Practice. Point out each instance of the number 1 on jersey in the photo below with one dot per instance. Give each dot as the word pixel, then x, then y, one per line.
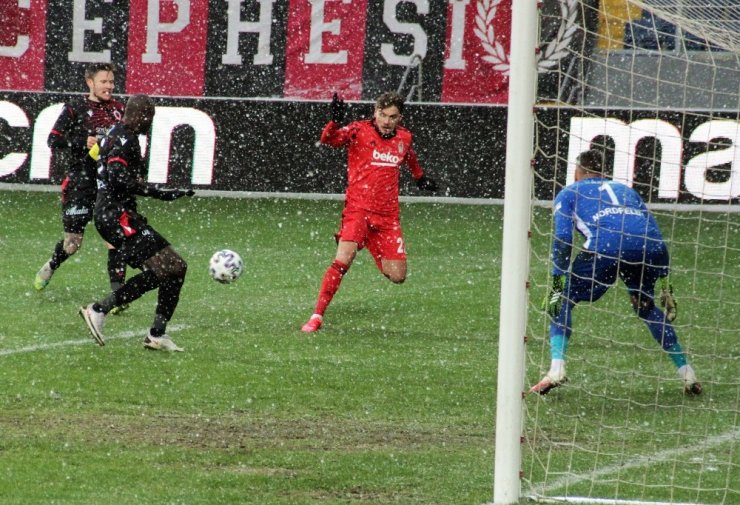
pixel 609 191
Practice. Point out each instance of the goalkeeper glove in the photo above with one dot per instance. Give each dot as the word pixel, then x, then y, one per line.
pixel 338 109
pixel 667 301
pixel 168 195
pixel 554 300
pixel 425 183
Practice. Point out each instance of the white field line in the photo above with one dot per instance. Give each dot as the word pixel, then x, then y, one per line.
pixel 639 462
pixel 123 335
pixel 606 501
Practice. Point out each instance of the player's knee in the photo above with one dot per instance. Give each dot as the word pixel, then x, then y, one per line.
pixel 396 277
pixel 71 246
pixel 183 269
pixel 176 268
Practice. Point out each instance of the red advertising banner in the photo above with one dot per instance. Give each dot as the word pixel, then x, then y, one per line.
pixel 325 49
pixel 167 47
pixel 296 49
pixel 22 44
pixel 476 65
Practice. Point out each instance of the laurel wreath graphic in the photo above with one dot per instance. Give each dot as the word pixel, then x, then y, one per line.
pixel 554 50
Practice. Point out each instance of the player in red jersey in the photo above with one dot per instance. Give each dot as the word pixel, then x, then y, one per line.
pixel 376 149
pixel 80 124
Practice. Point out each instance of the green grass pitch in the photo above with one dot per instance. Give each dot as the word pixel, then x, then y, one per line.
pixel 393 401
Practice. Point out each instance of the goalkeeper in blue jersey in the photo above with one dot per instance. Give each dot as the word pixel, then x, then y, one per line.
pixel 622 239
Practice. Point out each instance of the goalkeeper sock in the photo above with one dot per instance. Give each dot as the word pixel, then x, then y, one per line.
pixel 675 352
pixel 330 285
pixel 557 368
pixel 558 346
pixel 59 255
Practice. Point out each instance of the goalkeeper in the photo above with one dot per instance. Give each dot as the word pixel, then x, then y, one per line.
pixel 622 239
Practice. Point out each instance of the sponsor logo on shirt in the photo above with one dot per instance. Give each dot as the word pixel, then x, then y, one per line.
pixel 76 211
pixel 389 158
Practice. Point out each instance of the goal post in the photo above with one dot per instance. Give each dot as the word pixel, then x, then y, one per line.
pixel 515 251
pixel 655 84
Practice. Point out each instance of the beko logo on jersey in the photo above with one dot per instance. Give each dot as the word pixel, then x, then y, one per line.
pixel 627 136
pixel 387 157
pixel 165 121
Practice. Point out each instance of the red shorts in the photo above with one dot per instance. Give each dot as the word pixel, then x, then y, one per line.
pixel 381 234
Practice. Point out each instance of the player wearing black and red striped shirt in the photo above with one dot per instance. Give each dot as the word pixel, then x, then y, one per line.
pixel 81 123
pixel 121 177
pixel 376 149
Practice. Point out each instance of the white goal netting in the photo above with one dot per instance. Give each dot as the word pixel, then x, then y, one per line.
pixel 655 84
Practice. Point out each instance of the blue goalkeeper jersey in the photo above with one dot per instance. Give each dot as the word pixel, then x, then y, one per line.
pixel 611 217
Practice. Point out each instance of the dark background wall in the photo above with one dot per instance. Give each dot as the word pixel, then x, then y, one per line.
pixel 271 146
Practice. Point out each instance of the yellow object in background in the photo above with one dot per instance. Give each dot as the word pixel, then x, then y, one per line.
pixel 613 16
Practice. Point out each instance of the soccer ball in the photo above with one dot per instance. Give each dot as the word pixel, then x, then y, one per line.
pixel 225 266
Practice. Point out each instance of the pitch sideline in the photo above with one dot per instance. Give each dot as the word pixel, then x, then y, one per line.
pixel 124 335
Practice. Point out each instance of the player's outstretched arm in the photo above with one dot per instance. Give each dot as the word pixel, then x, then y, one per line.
pixel 63 134
pixel 338 109
pixel 333 134
pixel 426 183
pixel 166 195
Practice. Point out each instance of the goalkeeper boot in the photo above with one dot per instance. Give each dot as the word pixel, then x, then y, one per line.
pixel 161 343
pixel 95 321
pixel 313 324
pixel 691 386
pixel 43 277
pixel 549 382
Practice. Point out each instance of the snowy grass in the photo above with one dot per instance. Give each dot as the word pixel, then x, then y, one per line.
pixel 392 402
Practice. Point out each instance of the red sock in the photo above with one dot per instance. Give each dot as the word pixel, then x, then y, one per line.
pixel 330 284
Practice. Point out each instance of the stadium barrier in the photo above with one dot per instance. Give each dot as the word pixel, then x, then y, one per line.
pixel 271 146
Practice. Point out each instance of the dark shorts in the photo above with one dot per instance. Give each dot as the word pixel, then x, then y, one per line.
pixel 592 274
pixel 76 215
pixel 78 202
pixel 135 240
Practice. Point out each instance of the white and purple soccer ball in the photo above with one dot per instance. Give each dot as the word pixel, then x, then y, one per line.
pixel 225 266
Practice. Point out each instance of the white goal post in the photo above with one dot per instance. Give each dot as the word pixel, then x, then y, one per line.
pixel 515 250
pixel 655 84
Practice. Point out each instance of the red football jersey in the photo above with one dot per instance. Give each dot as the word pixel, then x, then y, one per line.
pixel 373 163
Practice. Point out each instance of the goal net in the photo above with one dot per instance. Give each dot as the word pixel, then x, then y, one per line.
pixel 655 84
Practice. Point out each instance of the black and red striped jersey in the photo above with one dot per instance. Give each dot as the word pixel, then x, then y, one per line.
pixel 121 173
pixel 79 119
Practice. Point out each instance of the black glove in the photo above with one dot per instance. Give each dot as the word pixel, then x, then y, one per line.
pixel 338 109
pixel 554 299
pixel 167 195
pixel 427 184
